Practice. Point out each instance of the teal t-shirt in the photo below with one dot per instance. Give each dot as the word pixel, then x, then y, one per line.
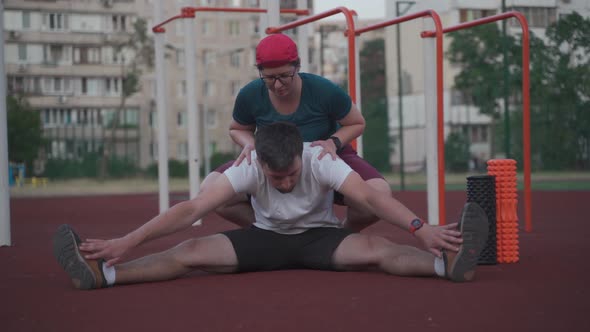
pixel 322 104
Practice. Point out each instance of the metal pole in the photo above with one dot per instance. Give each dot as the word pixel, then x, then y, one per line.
pixel 400 91
pixel 321 50
pixel 164 199
pixel 4 189
pixel 399 102
pixel 430 107
pixel 303 39
pixel 274 12
pixel 505 87
pixel 359 140
pixel 194 150
pixel 206 139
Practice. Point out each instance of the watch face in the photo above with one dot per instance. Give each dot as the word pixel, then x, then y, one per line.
pixel 416 223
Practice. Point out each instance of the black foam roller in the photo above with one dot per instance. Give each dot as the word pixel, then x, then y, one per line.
pixel 481 189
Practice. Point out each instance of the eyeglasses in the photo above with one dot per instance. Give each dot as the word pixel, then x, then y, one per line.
pixel 284 78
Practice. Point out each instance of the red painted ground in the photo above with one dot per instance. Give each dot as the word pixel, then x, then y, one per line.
pixel 546 291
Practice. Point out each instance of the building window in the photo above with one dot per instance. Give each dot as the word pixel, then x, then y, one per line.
pixel 537 17
pixel 235 87
pixel 479 134
pixel 54 54
pixel 206 28
pixel 112 86
pixel 181 89
pixel 211 119
pixel 22 52
pixel 118 23
pixel 153 119
pixel 56 21
pixel 182 151
pixel 180 57
pixel 86 55
pixel 181 119
pixel 235 59
pixel 153 150
pixel 234 28
pixel 466 15
pixel 26 20
pixel 209 57
pixel 16 85
pixel 179 28
pixel 209 88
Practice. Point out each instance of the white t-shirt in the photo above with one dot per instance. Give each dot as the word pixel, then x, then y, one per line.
pixel 309 205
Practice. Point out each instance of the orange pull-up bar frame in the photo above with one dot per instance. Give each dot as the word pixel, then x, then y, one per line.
pixel 439 96
pixel 189 12
pixel 526 113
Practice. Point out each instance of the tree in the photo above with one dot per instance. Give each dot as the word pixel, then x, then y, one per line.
pixel 560 84
pixel 25 133
pixel 564 102
pixel 142 48
pixel 457 153
pixel 376 143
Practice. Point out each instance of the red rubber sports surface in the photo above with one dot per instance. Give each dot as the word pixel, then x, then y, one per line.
pixel 546 291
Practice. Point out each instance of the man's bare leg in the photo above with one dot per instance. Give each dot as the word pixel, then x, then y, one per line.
pixel 365 252
pixel 238 211
pixel 357 218
pixel 213 253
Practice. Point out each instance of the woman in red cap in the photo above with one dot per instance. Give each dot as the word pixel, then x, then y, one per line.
pixel 323 112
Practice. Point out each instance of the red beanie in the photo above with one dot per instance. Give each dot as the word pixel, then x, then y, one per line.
pixel 276 50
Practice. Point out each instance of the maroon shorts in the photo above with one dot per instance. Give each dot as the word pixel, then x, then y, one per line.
pixel 350 157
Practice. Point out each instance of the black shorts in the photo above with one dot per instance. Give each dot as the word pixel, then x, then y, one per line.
pixel 261 250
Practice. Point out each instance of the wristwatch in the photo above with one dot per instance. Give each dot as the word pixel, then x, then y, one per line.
pixel 415 225
pixel 337 142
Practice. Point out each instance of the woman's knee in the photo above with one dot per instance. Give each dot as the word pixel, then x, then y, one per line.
pixel 379 184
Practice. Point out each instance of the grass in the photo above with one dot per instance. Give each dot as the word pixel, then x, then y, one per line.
pixel 577 181
pixel 539 181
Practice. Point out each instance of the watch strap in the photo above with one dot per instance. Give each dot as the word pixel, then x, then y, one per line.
pixel 337 142
pixel 415 225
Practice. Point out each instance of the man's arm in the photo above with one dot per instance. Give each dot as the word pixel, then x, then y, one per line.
pixel 393 211
pixel 177 218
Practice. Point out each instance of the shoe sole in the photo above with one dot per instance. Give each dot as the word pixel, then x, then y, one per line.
pixel 65 250
pixel 474 230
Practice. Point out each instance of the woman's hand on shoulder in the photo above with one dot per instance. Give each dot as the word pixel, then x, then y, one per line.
pixel 245 154
pixel 329 147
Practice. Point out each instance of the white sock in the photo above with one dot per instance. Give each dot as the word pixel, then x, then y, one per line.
pixel 439 266
pixel 109 274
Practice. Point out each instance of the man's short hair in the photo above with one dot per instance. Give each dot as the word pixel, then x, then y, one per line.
pixel 278 145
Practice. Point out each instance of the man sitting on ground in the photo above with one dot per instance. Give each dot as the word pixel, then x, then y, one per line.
pixel 292 196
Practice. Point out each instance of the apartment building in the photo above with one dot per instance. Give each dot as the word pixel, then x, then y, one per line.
pixel 62 56
pixel 458 115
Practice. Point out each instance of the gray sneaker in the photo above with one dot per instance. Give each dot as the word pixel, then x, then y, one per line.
pixel 85 273
pixel 460 266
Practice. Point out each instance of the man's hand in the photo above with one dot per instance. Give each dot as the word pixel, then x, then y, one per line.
pixel 329 147
pixel 436 238
pixel 246 153
pixel 110 250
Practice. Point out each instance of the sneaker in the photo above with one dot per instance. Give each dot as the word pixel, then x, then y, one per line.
pixel 460 266
pixel 85 273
